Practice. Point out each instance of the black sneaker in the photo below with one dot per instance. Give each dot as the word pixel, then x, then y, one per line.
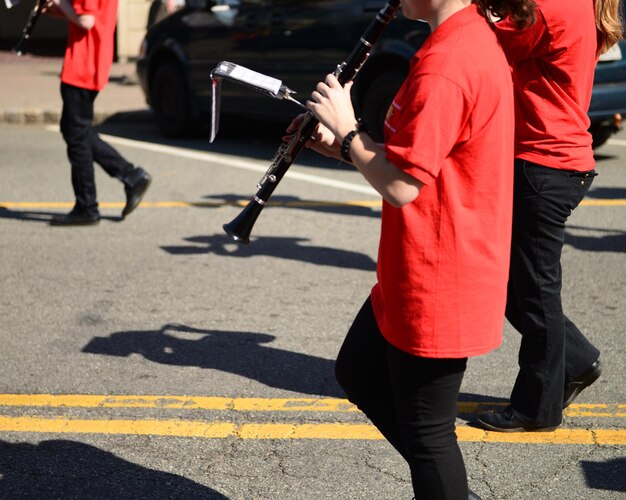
pixel 76 218
pixel 135 189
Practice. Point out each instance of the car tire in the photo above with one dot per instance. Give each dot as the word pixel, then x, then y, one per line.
pixel 170 101
pixel 377 99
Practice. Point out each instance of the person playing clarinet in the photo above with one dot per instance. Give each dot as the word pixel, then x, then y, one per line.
pixel 445 173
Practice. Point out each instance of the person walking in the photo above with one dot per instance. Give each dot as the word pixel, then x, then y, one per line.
pixel 445 173
pixel 86 66
pixel 553 65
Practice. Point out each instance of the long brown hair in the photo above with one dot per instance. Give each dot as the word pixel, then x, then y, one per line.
pixel 522 12
pixel 609 22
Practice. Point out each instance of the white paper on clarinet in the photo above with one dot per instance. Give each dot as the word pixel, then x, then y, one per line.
pixel 248 77
pixel 216 99
pixel 11 3
pixel 251 79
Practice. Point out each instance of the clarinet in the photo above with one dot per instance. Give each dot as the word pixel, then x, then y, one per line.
pixel 30 25
pixel 240 227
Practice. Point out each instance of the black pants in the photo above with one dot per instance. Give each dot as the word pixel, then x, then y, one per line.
pixel 411 400
pixel 84 146
pixel 553 351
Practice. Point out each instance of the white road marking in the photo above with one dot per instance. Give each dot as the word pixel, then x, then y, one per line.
pixel 232 162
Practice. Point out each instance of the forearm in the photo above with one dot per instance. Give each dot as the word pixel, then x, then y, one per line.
pixel 332 106
pixel 396 186
pixel 64 8
pixel 54 12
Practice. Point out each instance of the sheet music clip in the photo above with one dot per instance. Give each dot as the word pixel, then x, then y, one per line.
pixel 256 81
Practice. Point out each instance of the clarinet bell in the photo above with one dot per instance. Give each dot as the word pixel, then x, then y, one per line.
pixel 240 227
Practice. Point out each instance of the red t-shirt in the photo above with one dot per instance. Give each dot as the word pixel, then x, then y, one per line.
pixel 553 66
pixel 443 259
pixel 89 54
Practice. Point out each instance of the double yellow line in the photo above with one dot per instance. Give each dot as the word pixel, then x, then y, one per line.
pixel 287 430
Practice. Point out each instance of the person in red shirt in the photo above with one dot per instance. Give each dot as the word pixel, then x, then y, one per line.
pixel 88 60
pixel 553 65
pixel 445 173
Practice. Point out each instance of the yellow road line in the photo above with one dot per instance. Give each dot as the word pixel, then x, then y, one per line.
pixel 343 431
pixel 615 410
pixel 177 402
pixel 25 205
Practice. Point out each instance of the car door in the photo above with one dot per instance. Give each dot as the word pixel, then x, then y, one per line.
pixel 229 30
pixel 309 38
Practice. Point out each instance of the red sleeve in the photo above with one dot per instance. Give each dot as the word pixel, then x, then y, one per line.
pixel 430 117
pixel 526 43
pixel 86 7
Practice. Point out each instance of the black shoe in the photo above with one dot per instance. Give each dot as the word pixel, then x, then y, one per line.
pixel 575 387
pixel 509 421
pixel 75 218
pixel 472 496
pixel 135 189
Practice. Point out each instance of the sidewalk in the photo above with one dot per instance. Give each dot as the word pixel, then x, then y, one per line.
pixel 29 92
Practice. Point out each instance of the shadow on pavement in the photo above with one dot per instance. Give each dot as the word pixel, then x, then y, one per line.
pixel 283 248
pixel 306 204
pixel 608 240
pixel 69 469
pixel 609 475
pixel 35 216
pixel 241 353
pixel 606 193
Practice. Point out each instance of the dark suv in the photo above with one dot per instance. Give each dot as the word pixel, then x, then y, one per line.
pixel 608 101
pixel 298 42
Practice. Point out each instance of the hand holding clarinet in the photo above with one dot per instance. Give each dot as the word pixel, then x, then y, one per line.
pixel 31 22
pixel 306 126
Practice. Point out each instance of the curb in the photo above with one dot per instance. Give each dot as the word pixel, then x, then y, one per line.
pixel 53 117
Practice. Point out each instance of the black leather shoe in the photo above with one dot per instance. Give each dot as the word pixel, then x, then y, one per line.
pixel 575 387
pixel 472 496
pixel 135 189
pixel 509 421
pixel 75 218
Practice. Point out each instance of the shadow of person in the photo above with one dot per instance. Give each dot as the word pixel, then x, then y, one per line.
pixel 609 475
pixel 241 353
pixel 45 217
pixel 606 193
pixel 283 248
pixel 69 469
pixel 608 240
pixel 29 215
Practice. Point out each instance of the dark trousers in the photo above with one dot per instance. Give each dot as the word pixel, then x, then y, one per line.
pixel 553 351
pixel 84 146
pixel 411 400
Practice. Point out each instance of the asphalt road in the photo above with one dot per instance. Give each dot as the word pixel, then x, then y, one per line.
pixel 154 358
